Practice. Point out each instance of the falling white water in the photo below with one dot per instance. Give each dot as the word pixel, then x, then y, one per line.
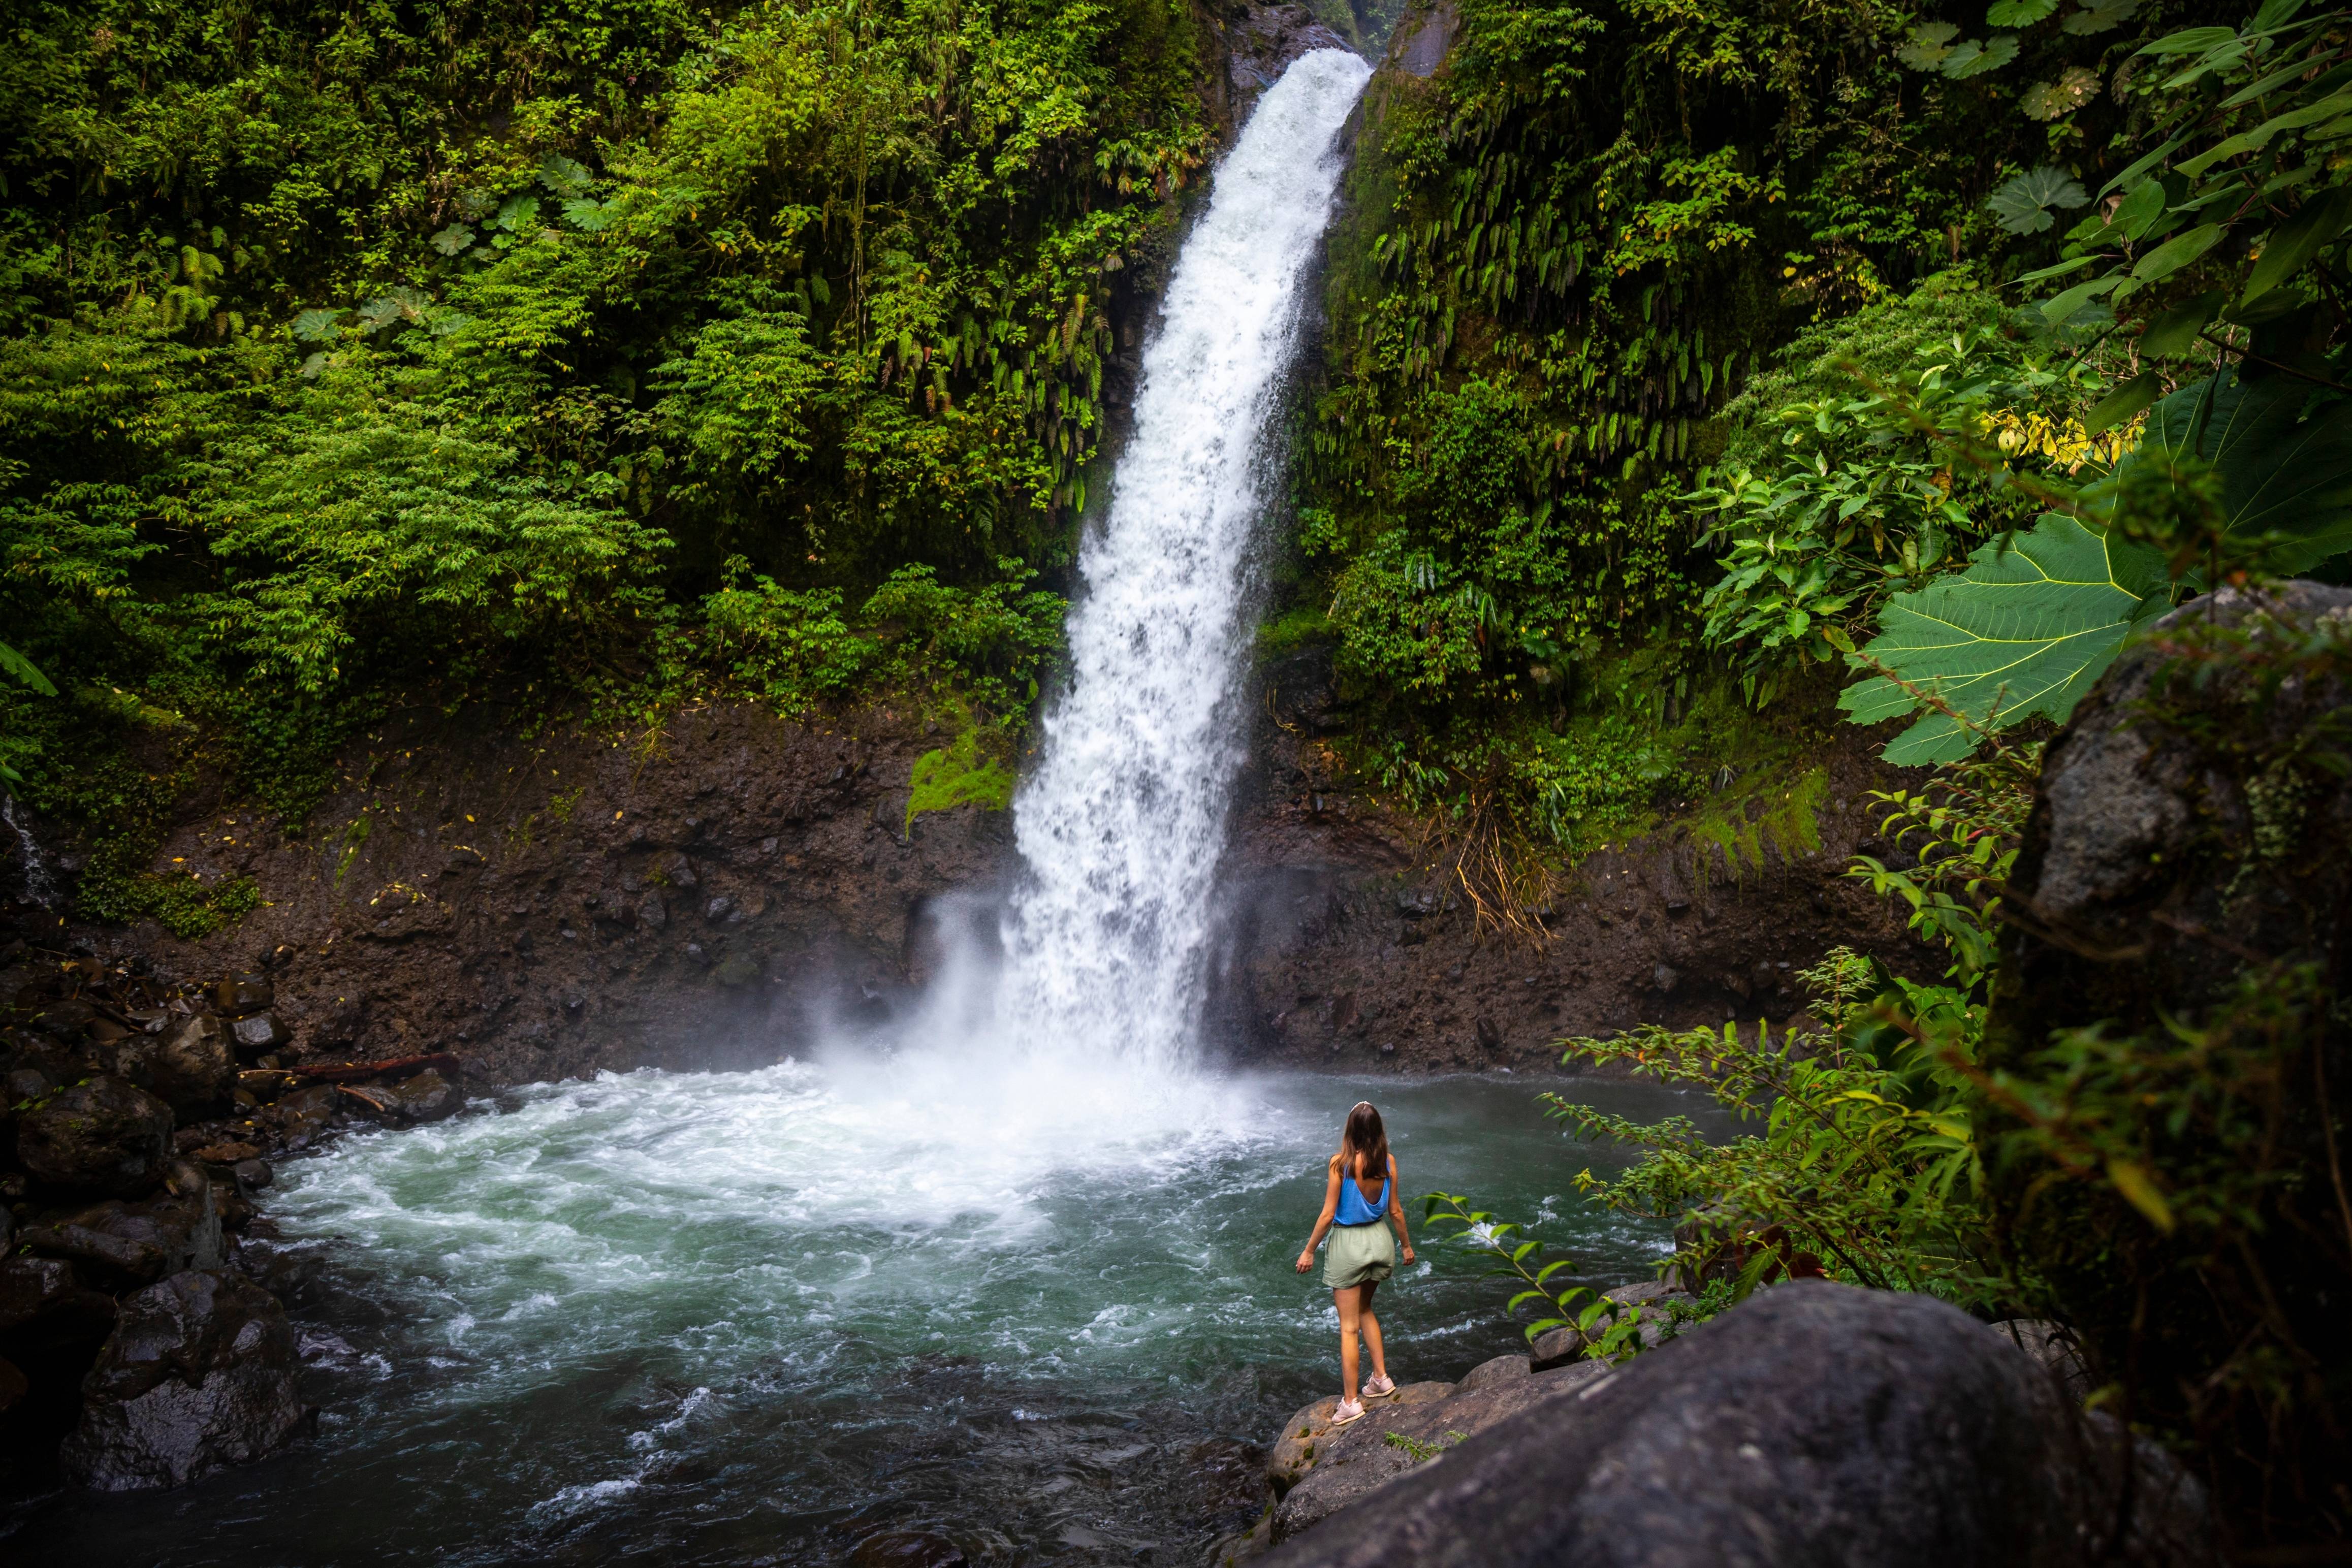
pixel 1123 821
pixel 40 888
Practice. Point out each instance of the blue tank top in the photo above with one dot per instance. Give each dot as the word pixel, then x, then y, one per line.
pixel 1353 1210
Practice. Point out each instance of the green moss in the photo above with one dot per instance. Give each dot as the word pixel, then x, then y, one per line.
pixel 961 774
pixel 1788 822
pixel 1301 626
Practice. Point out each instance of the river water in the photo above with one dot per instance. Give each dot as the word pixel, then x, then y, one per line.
pixel 759 1317
pixel 1020 1279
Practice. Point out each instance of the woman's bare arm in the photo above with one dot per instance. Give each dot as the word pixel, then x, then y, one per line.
pixel 1323 1221
pixel 1396 1208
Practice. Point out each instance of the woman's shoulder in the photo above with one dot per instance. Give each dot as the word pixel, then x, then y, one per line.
pixel 1332 1164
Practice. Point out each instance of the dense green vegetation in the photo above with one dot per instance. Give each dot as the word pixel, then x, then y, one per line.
pixel 601 352
pixel 1586 450
pixel 2004 495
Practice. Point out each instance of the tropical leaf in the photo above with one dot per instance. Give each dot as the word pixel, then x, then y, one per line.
pixel 315 326
pixel 2285 474
pixel 2018 12
pixel 1929 45
pixel 2049 100
pixel 2105 16
pixel 1970 59
pixel 2022 203
pixel 453 239
pixel 562 176
pixel 2025 630
pixel 17 665
pixel 2299 238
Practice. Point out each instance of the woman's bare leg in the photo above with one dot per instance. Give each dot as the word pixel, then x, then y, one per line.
pixel 1370 1326
pixel 1346 1302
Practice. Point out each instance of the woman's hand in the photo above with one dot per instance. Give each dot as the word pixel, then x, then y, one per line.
pixel 1306 1261
pixel 1408 1253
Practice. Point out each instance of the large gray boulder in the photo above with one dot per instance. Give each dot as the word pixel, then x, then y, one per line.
pixel 198 1375
pixel 1813 1427
pixel 102 1135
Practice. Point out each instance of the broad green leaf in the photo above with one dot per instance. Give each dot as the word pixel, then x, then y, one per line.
pixel 2125 400
pixel 2299 238
pixel 1973 59
pixel 2022 203
pixel 2176 253
pixel 2174 331
pixel 562 176
pixel 2100 16
pixel 2137 212
pixel 1929 43
pixel 17 665
pixel 2047 101
pixel 2131 175
pixel 2074 299
pixel 2192 41
pixel 314 325
pixel 2283 476
pixel 2025 630
pixel 2059 269
pixel 2018 12
pixel 453 239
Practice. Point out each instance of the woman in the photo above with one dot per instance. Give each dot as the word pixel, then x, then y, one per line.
pixel 1358 1196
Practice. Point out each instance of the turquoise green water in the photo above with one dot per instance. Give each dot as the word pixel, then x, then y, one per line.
pixel 757 1317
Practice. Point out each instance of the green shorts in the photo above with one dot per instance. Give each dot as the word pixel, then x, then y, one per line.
pixel 1359 1254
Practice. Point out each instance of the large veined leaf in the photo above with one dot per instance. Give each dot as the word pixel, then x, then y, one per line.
pixel 2024 630
pixel 2283 474
pixel 2022 203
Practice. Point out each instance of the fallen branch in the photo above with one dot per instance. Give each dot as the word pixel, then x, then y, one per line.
pixel 400 1066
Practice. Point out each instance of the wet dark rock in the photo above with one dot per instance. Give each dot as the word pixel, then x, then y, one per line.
pixel 1424 38
pixel 260 1034
pixel 1309 1433
pixel 1814 1424
pixel 254 1174
pixel 1359 1459
pixel 652 912
pixel 12 1385
pixel 1418 903
pixel 99 1135
pixel 49 1294
pixel 198 1375
pixel 124 1245
pixel 718 909
pixel 192 1068
pixel 242 994
pixel 424 1097
pixel 301 1116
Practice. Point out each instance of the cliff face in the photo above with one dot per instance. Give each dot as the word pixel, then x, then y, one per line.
pixel 1349 947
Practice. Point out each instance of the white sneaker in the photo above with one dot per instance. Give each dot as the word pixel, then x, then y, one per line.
pixel 1379 1388
pixel 1348 1410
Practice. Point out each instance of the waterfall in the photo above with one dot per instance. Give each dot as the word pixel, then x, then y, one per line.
pixel 40 888
pixel 1122 823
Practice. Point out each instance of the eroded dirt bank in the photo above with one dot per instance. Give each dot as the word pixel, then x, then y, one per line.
pixel 725 891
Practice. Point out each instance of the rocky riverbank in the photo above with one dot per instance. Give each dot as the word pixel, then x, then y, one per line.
pixel 142 1343
pixel 1813 1423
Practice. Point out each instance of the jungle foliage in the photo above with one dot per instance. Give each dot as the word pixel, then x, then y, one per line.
pixel 1566 256
pixel 614 351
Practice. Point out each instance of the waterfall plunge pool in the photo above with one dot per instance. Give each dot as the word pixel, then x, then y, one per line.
pixel 758 1317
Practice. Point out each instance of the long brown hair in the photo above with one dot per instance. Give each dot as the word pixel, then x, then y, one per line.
pixel 1364 1136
